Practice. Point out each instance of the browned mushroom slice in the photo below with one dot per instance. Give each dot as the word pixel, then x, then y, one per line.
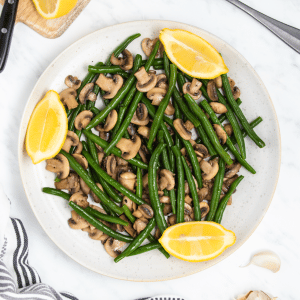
pixel 100 156
pixel 157 233
pixel 144 131
pixel 140 116
pixel 162 81
pixel 218 82
pixel 166 180
pixel 236 93
pixel 110 121
pixel 182 130
pixel 188 199
pixel 94 196
pixel 125 62
pixel 128 180
pixel 79 199
pixel 145 81
pixel 87 93
pixel 71 183
pixel 79 148
pixel 81 160
pixel 104 135
pixel 140 224
pixel 165 199
pixel 72 82
pixel 212 91
pixel 84 187
pixel 228 182
pixel 228 128
pixel 68 98
pixel 204 208
pixel 113 247
pixel 148 45
pixel 146 211
pixel 193 89
pixel 187 209
pixel 72 139
pixel 83 119
pixel 129 229
pixel 77 222
pixel 167 209
pixel 171 220
pixel 218 108
pixel 201 150
pixel 210 169
pixel 156 95
pixel 129 148
pixel 94 233
pixel 187 218
pixel 202 193
pixel 232 169
pixel 110 85
pixel 110 165
pixel 170 110
pixel 220 133
pixel 129 203
pixel 59 165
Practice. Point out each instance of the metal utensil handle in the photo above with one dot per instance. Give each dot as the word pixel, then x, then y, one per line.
pixel 290 35
pixel 7 22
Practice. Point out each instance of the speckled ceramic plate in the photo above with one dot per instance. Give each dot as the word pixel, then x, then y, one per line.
pixel 250 202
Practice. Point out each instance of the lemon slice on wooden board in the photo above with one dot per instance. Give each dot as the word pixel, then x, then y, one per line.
pixel 192 54
pixel 197 241
pixel 47 128
pixel 52 9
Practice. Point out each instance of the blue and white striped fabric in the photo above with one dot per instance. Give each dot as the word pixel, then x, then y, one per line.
pixel 18 280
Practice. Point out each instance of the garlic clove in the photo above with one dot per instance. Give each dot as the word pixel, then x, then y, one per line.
pixel 255 295
pixel 266 259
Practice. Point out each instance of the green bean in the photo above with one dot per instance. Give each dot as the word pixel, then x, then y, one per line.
pixel 122 47
pixel 132 108
pixel 240 115
pixel 232 120
pixel 152 239
pixel 229 143
pixel 57 179
pixel 222 117
pixel 92 185
pixel 193 189
pixel 107 188
pixel 95 110
pixel 216 193
pixel 177 115
pixel 146 248
pixel 137 241
pixel 122 110
pixel 180 185
pixel 128 213
pixel 139 183
pixel 108 69
pixel 111 181
pixel 117 152
pixel 97 214
pixel 162 106
pixel 166 63
pixel 208 128
pixel 153 190
pixel 180 81
pixel 119 96
pixel 156 62
pixel 99 225
pixel 223 203
pixel 158 67
pixel 56 192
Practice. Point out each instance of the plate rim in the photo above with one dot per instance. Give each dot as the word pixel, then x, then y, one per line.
pixel 216 260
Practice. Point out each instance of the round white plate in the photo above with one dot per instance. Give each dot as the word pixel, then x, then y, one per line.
pixel 250 202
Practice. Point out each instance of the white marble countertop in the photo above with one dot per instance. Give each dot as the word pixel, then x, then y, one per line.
pixel 276 64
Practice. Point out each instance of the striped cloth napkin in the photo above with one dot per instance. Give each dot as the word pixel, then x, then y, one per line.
pixel 18 280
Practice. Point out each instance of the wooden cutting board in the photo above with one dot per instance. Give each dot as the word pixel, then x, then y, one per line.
pixel 52 29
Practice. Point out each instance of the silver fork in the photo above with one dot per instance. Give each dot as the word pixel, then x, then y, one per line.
pixel 290 35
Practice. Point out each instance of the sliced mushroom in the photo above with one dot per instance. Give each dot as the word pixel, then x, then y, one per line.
pixel 218 108
pixel 228 129
pixel 212 91
pixel 218 82
pixel 79 148
pixel 110 122
pixel 129 203
pixel 145 81
pixel 166 180
pixel 140 224
pixel 81 160
pixel 140 116
pixel 121 161
pixel 170 110
pixel 94 196
pixel 229 202
pixel 162 81
pixel 171 220
pixel 146 211
pixel 144 131
pixel 210 169
pixel 187 209
pixel 187 218
pixel 84 187
pixel 59 165
pixel 104 135
pixel 125 62
pixel 233 169
pixel 157 233
pixel 72 82
pixel 83 119
pixel 110 165
pixel 131 129
pixel 228 182
pixel 167 209
pixel 129 229
pixel 201 150
pixel 68 98
pixel 113 247
pixel 148 45
pixel 94 234
pixel 156 95
pixel 110 85
pixel 188 199
pixel 103 238
pixel 79 199
pixel 100 157
pixel 204 208
pixel 202 193
pixel 231 83
pixel 72 139
pixel 128 180
pixel 182 130
pixel 129 148
pixel 220 133
pixel 165 199
pixel 87 93
pixel 71 183
pixel 145 181
pixel 77 222
pixel 143 153
pixel 193 88
pixel 236 93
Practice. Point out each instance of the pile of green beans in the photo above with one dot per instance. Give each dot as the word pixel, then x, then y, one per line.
pixel 147 196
